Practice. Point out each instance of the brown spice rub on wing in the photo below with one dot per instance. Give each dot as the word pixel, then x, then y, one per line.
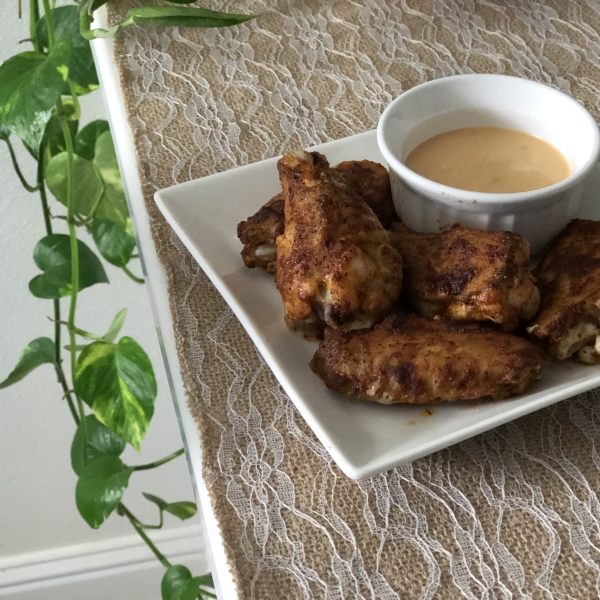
pixel 335 264
pixel 415 360
pixel 467 274
pixel 568 276
pixel 370 180
pixel 259 232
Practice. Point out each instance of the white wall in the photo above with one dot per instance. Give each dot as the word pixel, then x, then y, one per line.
pixel 37 506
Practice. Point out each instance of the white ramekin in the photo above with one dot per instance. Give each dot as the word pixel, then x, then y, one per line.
pixel 488 100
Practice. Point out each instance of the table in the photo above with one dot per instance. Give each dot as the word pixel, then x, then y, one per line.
pixel 511 513
pixel 156 285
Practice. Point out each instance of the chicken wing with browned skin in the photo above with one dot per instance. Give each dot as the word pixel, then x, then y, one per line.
pixel 409 359
pixel 568 276
pixel 259 232
pixel 370 180
pixel 335 264
pixel 467 274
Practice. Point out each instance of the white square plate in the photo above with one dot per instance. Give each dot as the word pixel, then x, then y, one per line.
pixel 363 438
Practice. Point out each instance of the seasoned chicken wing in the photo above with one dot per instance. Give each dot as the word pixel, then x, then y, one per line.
pixel 259 232
pixel 467 274
pixel 370 180
pixel 569 279
pixel 409 359
pixel 335 264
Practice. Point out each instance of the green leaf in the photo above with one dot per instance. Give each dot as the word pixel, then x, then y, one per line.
pixel 105 158
pixel 82 71
pixel 100 441
pixel 117 382
pixel 185 16
pixel 114 208
pixel 113 242
pixel 52 254
pixel 4 132
pixel 114 204
pixel 88 187
pixel 30 85
pixel 156 500
pixel 178 584
pixel 54 140
pixel 85 140
pixel 181 1
pixel 181 510
pixel 38 352
pixel 100 488
pixel 115 326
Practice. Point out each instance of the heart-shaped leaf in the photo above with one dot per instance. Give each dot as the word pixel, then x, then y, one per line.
pixel 114 208
pixel 85 140
pixel 88 187
pixel 100 441
pixel 100 488
pixel 117 382
pixel 54 139
pixel 38 352
pixel 178 584
pixel 105 158
pixel 113 242
pixel 52 254
pixel 82 71
pixel 30 85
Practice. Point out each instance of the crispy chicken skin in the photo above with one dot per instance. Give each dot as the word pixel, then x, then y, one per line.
pixel 569 279
pixel 259 232
pixel 370 180
pixel 335 264
pixel 409 359
pixel 467 274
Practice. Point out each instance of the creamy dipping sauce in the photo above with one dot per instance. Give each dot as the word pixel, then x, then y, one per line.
pixel 489 159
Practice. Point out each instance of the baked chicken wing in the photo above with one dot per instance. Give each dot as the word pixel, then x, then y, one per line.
pixel 335 264
pixel 259 232
pixel 370 180
pixel 467 274
pixel 409 359
pixel 569 279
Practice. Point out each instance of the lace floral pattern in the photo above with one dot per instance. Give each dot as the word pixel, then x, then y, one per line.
pixel 513 513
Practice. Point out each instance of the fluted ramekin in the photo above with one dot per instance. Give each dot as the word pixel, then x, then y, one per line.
pixel 488 100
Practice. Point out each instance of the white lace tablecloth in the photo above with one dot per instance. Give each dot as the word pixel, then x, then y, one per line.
pixel 513 513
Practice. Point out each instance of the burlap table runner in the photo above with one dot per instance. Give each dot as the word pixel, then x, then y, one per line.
pixel 512 513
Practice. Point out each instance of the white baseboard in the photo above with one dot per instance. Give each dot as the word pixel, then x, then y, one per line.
pixel 117 569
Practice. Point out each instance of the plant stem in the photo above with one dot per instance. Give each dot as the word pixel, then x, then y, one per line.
pixel 34 15
pixel 60 374
pixel 42 190
pixel 74 271
pixel 77 107
pixel 49 23
pixel 158 463
pixel 132 276
pixel 136 525
pixel 18 171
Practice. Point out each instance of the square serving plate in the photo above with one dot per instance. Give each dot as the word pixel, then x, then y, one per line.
pixel 363 438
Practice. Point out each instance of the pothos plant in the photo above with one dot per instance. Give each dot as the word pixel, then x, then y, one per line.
pixel 107 381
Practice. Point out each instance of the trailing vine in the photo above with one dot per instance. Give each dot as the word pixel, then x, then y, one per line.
pixel 107 381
